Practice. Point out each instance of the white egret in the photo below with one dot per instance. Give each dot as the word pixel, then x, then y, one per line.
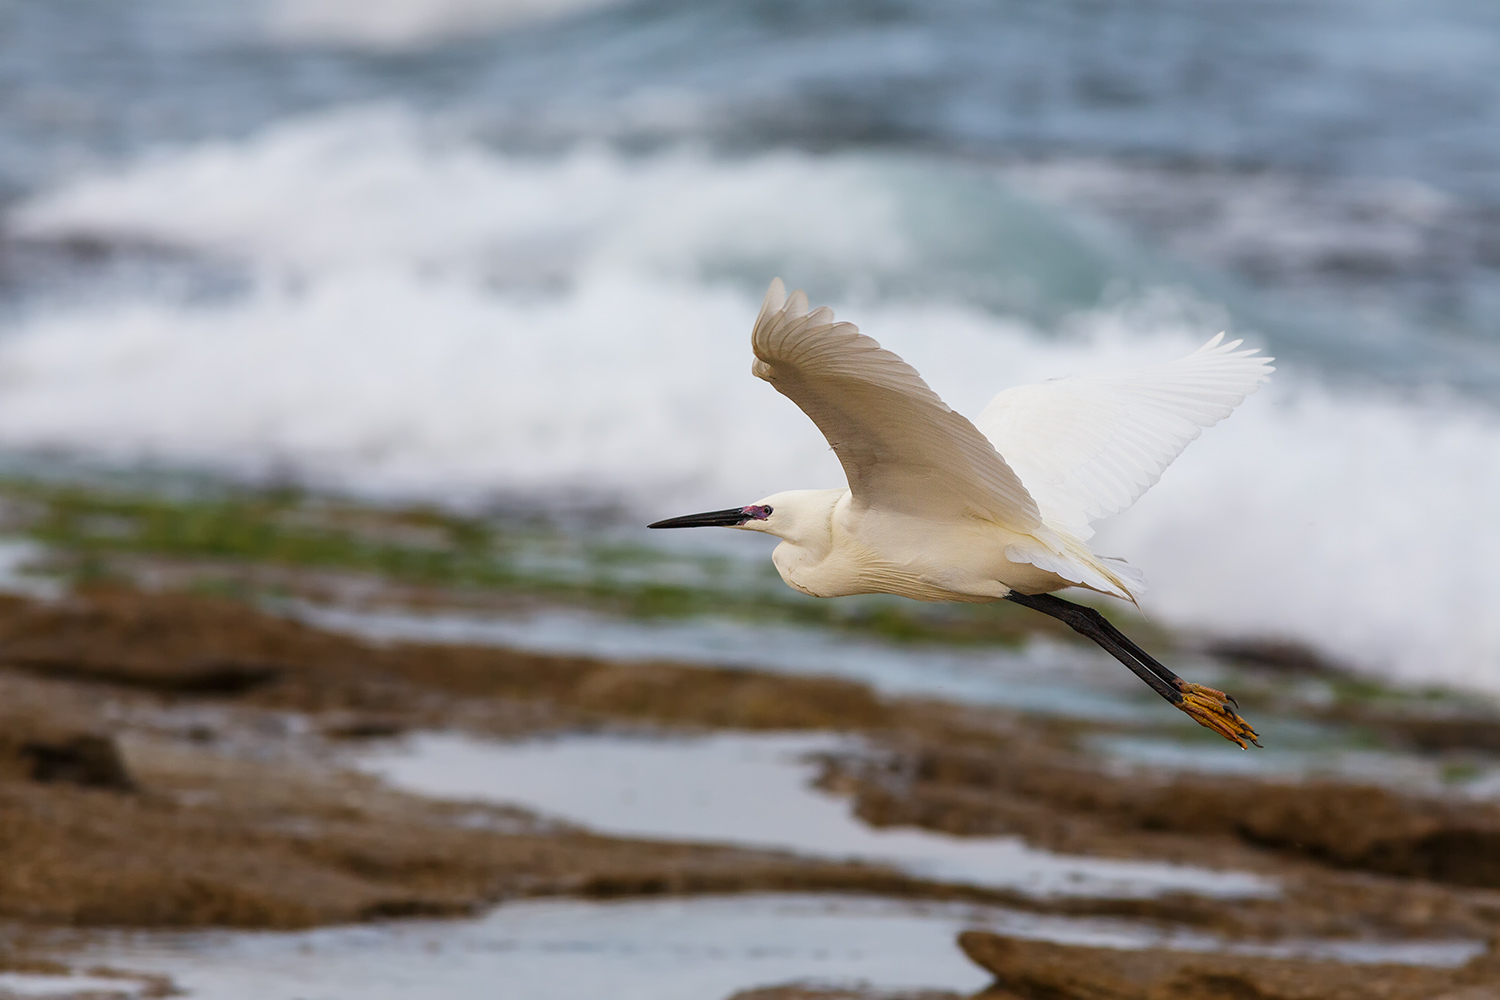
pixel 939 508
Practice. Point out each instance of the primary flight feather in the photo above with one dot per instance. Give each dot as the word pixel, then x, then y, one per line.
pixel 939 507
pixel 1087 447
pixel 901 446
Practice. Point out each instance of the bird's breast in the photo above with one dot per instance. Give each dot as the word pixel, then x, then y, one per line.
pixel 882 553
pixel 857 569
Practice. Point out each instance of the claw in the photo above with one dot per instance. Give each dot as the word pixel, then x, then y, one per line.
pixel 1215 710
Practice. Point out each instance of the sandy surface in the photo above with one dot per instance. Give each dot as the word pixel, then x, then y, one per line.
pixel 178 761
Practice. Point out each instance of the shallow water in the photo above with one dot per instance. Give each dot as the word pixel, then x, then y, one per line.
pixel 751 790
pixel 1312 758
pixel 562 950
pixel 1042 676
pixel 674 949
pixel 733 788
pixel 18 559
pixel 42 985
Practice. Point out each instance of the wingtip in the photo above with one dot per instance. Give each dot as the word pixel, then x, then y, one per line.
pixel 797 304
pixel 773 303
pixel 775 297
pixel 1218 345
pixel 1219 348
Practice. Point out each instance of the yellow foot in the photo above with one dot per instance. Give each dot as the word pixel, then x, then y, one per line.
pixel 1216 710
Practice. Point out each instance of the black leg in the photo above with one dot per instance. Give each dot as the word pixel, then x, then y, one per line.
pixel 1093 624
pixel 1194 699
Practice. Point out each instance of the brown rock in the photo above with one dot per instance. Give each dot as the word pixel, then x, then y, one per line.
pixel 1036 970
pixel 89 760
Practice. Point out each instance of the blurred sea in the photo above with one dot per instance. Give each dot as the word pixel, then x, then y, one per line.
pixel 481 250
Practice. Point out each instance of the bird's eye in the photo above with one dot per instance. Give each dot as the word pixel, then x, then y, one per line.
pixel 757 513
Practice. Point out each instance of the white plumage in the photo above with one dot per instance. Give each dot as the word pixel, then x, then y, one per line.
pixel 939 507
pixel 1039 464
pixel 902 448
pixel 1087 447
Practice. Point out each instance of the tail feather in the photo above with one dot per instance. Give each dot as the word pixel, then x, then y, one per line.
pixel 1076 564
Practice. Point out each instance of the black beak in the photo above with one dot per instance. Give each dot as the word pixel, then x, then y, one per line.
pixel 731 518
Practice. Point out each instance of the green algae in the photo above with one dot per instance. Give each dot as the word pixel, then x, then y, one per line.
pixel 107 532
pixel 279 545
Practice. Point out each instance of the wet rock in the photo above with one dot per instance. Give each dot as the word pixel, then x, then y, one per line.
pixel 1442 734
pixel 364 729
pixel 170 645
pixel 243 836
pixel 1364 828
pixel 1278 655
pixel 1339 825
pixel 739 699
pixel 206 677
pixel 1035 970
pixel 87 760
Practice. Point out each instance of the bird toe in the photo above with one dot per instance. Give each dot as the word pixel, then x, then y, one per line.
pixel 1215 710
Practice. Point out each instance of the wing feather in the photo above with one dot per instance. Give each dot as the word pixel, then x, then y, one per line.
pixel 1088 447
pixel 901 446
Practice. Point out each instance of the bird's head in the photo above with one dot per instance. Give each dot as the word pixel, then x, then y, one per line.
pixel 755 517
pixel 798 516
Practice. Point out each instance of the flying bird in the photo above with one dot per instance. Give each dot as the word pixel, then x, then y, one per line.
pixel 941 508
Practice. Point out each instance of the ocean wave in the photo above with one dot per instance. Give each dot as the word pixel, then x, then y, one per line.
pixel 376 187
pixel 393 25
pixel 428 317
pixel 1415 264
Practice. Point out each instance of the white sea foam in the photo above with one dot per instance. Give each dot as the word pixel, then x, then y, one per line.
pixel 431 317
pixel 374 189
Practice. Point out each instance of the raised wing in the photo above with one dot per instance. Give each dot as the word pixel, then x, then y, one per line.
pixel 901 446
pixel 1087 447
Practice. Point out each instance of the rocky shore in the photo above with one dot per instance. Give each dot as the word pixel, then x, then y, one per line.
pixel 171 760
